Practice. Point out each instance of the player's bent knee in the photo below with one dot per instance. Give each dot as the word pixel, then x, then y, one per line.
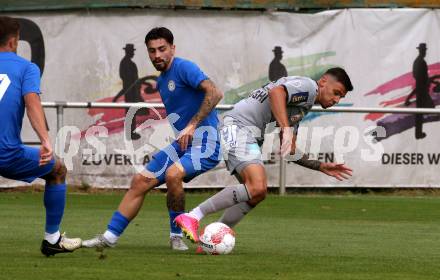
pixel 258 190
pixel 141 183
pixel 61 171
pixel 261 194
pixel 174 175
pixel 57 175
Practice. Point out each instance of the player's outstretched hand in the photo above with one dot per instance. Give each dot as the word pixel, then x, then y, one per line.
pixel 46 153
pixel 186 136
pixel 337 170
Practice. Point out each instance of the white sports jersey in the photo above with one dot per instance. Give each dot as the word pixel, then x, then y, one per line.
pixel 254 111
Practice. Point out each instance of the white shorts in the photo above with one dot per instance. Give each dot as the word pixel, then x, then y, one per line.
pixel 240 147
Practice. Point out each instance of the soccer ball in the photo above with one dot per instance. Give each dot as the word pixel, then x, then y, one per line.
pixel 217 239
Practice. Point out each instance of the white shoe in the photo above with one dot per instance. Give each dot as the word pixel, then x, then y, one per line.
pixel 98 242
pixel 176 243
pixel 70 244
pixel 63 245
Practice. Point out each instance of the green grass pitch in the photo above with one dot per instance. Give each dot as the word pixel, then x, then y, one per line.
pixel 292 237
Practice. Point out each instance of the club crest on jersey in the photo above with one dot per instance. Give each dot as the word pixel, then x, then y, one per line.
pixel 171 85
pixel 299 97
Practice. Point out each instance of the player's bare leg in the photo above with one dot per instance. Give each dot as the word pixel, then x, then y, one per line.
pixel 140 185
pixel 175 203
pixel 128 209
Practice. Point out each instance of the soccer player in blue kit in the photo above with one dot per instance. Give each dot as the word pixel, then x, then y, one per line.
pixel 20 89
pixel 190 98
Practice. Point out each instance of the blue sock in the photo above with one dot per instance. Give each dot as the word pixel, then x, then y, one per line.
pixel 174 228
pixel 54 202
pixel 118 223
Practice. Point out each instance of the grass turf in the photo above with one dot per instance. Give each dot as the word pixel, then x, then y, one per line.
pixel 293 237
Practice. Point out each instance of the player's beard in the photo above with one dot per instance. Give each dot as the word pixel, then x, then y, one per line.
pixel 161 65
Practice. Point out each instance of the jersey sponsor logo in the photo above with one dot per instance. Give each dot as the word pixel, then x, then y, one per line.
pixel 299 97
pixel 171 85
pixel 4 84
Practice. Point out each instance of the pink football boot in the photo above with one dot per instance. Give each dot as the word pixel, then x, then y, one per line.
pixel 189 226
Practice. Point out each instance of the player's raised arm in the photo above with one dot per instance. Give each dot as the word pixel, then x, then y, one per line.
pixel 278 106
pixel 36 117
pixel 213 95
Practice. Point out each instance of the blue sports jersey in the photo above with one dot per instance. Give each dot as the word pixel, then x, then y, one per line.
pixel 180 93
pixel 18 77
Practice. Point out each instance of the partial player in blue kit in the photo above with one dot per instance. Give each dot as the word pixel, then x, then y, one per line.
pixel 20 89
pixel 190 98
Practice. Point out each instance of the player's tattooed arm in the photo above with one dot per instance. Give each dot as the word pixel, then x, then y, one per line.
pixel 336 170
pixel 309 163
pixel 213 95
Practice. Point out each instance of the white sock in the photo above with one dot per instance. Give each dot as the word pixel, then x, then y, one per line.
pixel 197 213
pixel 111 237
pixel 52 238
pixel 176 234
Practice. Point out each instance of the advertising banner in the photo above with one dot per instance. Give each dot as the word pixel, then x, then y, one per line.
pixel 391 55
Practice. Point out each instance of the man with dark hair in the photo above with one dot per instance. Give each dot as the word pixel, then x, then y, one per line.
pixel 285 102
pixel 9 28
pixel 191 96
pixel 20 89
pixel 160 33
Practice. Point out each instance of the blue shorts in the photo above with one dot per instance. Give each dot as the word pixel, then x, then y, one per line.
pixel 196 159
pixel 24 165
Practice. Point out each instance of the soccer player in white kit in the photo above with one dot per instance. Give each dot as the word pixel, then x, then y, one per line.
pixel 286 102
